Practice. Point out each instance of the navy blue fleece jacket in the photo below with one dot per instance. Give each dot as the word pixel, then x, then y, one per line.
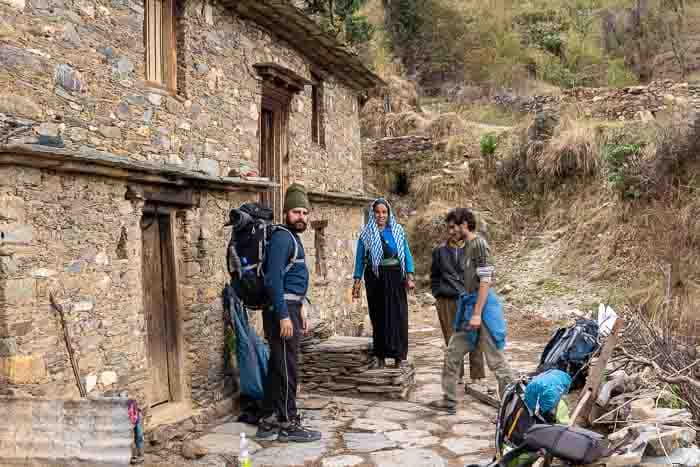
pixel 280 250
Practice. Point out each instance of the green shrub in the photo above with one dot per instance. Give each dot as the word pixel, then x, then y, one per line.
pixel 555 72
pixel 623 164
pixel 620 76
pixel 488 145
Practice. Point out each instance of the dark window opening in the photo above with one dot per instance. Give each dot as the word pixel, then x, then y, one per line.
pixel 402 184
pixel 320 247
pixel 318 131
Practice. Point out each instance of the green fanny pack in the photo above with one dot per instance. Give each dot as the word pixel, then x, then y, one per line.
pixel 390 262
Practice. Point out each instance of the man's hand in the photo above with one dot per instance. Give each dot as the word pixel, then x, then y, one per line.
pixel 304 322
pixel 286 328
pixel 474 323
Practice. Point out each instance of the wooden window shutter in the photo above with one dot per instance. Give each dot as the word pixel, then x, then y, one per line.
pixel 169 41
pixel 161 43
pixel 317 124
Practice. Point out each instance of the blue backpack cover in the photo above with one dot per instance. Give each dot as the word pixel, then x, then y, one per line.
pixel 251 352
pixel 543 392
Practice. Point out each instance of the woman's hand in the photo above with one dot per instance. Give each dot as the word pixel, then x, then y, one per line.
pixel 356 289
pixel 410 283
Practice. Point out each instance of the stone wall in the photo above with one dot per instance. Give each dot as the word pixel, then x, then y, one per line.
pixel 331 284
pixel 72 74
pixel 50 432
pixel 81 239
pixel 629 103
pixel 388 159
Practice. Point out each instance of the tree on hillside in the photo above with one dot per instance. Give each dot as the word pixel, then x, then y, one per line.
pixel 674 28
pixel 341 18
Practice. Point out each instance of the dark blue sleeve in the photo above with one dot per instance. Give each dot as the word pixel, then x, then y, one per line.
pixel 279 250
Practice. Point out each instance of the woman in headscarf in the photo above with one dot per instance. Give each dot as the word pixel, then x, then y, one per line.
pixel 385 260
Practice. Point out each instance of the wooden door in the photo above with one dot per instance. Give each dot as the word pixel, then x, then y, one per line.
pixel 267 154
pixel 159 308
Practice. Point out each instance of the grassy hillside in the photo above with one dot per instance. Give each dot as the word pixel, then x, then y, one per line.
pixel 513 43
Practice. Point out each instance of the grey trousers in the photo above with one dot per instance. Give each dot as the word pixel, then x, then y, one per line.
pixel 454 356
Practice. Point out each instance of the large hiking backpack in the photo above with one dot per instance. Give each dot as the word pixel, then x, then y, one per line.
pixel 570 349
pixel 247 249
pixel 515 417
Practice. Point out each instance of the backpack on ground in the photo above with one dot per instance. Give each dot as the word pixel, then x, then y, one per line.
pixel 570 350
pixel 247 249
pixel 569 443
pixel 515 417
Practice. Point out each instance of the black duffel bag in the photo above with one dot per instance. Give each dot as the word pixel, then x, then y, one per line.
pixel 568 443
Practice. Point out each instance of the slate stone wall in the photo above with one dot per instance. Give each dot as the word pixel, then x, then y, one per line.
pixel 72 76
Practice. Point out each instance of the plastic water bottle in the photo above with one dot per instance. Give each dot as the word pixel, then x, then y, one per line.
pixel 244 456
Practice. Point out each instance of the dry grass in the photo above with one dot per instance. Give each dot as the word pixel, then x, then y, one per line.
pixel 446 125
pixel 490 114
pixel 404 124
pixel 573 151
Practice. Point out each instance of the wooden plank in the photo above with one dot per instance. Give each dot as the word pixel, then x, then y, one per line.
pixel 154 310
pixel 163 195
pixel 169 44
pixel 170 308
pixel 595 378
pixel 481 396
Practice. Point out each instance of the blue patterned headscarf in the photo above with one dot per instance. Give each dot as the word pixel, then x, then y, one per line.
pixel 371 237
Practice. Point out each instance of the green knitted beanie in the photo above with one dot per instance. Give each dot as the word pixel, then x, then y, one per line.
pixel 295 197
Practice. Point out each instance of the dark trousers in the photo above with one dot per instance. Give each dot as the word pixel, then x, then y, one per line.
pixel 281 379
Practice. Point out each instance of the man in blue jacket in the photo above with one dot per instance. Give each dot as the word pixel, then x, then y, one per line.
pixel 287 281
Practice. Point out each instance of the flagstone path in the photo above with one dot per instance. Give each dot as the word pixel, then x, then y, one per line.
pixel 374 432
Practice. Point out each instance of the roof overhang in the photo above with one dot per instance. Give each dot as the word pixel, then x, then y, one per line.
pixel 292 25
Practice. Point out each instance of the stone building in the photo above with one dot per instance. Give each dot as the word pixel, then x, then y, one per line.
pixel 129 129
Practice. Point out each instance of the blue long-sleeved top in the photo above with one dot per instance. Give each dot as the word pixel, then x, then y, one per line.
pixel 391 242
pixel 280 250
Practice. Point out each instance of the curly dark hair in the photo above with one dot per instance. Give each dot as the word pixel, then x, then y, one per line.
pixel 462 215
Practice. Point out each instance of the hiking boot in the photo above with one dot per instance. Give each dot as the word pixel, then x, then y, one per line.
pixel 444 405
pixel 294 432
pixel 268 430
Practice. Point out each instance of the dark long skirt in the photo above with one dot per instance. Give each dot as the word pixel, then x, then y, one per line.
pixel 388 311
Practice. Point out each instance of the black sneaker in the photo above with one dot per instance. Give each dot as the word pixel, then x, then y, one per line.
pixel 268 430
pixel 444 405
pixel 294 432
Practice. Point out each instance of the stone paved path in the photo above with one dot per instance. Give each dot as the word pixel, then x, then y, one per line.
pixel 374 432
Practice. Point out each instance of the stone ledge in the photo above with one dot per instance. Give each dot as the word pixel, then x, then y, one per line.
pixel 105 164
pixel 339 197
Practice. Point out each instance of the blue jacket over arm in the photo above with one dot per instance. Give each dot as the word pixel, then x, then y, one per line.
pixel 491 317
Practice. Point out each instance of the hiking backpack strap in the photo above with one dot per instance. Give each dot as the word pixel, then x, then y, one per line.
pixel 295 256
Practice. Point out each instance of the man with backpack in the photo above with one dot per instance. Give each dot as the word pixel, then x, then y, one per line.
pixel 286 281
pixel 479 323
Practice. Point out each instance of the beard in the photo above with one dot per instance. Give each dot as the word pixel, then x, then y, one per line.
pixel 298 227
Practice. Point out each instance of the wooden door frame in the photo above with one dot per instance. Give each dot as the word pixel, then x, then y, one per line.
pixel 277 100
pixel 171 279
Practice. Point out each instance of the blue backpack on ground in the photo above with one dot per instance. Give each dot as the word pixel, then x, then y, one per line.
pixel 252 354
pixel 544 391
